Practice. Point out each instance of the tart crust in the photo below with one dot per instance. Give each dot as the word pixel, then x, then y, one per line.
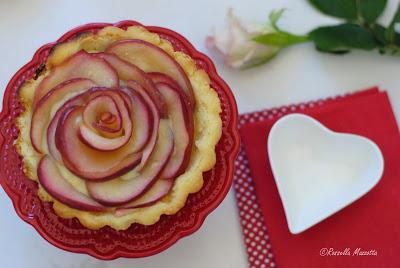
pixel 207 132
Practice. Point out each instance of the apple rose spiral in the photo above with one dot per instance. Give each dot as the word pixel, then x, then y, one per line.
pixel 102 115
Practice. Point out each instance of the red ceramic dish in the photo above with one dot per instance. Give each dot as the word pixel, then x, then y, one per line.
pixel 138 240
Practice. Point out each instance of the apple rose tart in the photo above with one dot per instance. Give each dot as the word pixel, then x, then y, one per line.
pixel 118 128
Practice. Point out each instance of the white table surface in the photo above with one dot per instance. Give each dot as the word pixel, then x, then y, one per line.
pixel 297 74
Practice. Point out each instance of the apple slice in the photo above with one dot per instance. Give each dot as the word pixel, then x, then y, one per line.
pixel 102 114
pixel 181 120
pixel 136 87
pixel 157 191
pixel 120 191
pixel 84 161
pixel 106 103
pixel 142 120
pixel 78 100
pixel 79 65
pixel 51 136
pixel 127 71
pixel 163 78
pixel 157 77
pixel 51 130
pixel 41 115
pixel 59 188
pixel 151 58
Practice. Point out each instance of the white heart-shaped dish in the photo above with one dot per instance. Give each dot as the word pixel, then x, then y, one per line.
pixel 318 171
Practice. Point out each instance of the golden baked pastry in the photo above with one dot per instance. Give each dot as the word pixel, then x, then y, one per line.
pixel 118 128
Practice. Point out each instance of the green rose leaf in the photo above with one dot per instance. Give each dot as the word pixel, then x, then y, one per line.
pixel 370 10
pixel 280 39
pixel 274 17
pixel 345 9
pixel 276 37
pixel 342 38
pixel 379 33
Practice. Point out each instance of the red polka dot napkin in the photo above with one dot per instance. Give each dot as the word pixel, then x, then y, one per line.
pixel 364 234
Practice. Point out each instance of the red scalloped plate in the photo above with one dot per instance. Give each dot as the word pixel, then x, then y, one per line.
pixel 107 243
